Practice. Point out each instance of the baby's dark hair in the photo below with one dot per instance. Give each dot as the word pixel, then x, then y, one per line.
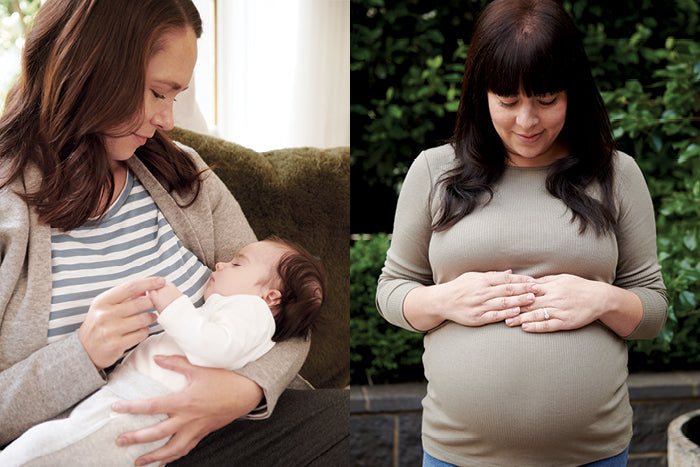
pixel 303 289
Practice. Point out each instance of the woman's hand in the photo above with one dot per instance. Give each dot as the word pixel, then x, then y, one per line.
pixel 472 299
pixel 115 321
pixel 565 302
pixel 213 398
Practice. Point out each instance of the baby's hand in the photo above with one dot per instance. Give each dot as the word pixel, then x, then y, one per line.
pixel 163 297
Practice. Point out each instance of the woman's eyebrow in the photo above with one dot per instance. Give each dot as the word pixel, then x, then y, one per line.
pixel 172 84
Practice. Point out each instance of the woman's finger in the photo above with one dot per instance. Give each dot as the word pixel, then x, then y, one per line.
pixel 506 277
pixel 499 315
pixel 176 447
pixel 151 433
pixel 547 325
pixel 505 303
pixel 163 404
pixel 130 289
pixel 526 317
pixel 177 363
pixel 134 323
pixel 134 306
pixel 546 279
pixel 156 405
pixel 509 290
pixel 134 338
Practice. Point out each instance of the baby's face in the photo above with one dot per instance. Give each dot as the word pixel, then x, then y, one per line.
pixel 249 272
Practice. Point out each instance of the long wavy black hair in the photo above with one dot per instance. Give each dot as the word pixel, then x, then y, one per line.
pixel 530 46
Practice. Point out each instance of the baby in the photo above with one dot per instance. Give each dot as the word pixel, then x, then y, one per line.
pixel 271 290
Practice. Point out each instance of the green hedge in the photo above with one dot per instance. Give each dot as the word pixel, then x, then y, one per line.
pixel 407 60
pixel 659 123
pixel 379 351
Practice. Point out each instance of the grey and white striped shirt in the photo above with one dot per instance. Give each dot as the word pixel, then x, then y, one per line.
pixel 133 240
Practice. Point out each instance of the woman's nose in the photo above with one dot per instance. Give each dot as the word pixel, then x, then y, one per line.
pixel 163 118
pixel 527 116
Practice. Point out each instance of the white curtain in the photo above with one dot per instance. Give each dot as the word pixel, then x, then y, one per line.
pixel 321 97
pixel 283 73
pixel 195 108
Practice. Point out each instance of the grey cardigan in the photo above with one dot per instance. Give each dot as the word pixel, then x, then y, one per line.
pixel 39 381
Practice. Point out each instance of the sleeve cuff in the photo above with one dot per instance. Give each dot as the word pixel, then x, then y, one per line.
pixel 655 306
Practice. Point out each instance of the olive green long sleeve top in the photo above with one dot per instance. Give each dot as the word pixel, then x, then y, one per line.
pixel 497 395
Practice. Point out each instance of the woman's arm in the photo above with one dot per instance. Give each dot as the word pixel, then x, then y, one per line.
pixel 406 294
pixel 472 299
pixel 37 381
pixel 48 379
pixel 638 269
pixel 46 383
pixel 635 305
pixel 572 302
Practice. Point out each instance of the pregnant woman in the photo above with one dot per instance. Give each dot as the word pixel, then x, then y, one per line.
pixel 526 250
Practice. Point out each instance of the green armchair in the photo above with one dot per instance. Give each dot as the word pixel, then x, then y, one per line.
pixel 302 194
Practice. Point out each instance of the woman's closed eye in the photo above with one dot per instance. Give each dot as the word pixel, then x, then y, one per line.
pixel 160 96
pixel 547 101
pixel 512 101
pixel 507 101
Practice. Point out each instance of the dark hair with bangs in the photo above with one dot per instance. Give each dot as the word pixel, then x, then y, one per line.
pixel 303 290
pixel 83 78
pixel 530 46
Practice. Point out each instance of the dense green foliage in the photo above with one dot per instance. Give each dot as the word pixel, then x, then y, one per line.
pixel 379 352
pixel 407 57
pixel 660 123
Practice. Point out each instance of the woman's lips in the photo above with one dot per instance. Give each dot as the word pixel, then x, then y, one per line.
pixel 529 138
pixel 141 139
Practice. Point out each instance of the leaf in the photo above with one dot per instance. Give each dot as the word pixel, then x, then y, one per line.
pixel 688 298
pixel 669 42
pixel 690 240
pixel 689 152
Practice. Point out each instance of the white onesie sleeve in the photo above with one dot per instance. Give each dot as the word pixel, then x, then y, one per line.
pixel 226 332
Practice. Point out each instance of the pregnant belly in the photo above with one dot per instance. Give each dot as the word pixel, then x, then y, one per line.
pixel 493 388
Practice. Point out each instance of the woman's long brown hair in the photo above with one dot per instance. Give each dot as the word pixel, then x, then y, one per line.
pixel 83 77
pixel 533 46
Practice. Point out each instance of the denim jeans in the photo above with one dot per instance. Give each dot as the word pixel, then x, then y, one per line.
pixel 615 461
pixel 619 460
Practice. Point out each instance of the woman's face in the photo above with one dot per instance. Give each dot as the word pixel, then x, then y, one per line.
pixel 168 73
pixel 530 126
